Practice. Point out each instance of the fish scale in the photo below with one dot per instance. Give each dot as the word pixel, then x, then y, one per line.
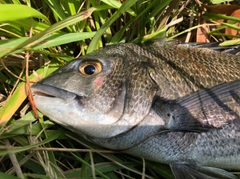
pixel 197 62
pixel 171 103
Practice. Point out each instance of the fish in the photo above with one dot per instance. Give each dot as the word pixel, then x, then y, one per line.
pixel 177 104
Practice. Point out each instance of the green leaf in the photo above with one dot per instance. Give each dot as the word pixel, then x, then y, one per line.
pixel 221 16
pixel 28 147
pixel 55 27
pixel 230 42
pixel 126 6
pixel 220 1
pixel 56 8
pixel 7 176
pixel 117 5
pixel 103 167
pixel 71 6
pixel 59 39
pixel 13 12
pixel 49 41
pixel 38 26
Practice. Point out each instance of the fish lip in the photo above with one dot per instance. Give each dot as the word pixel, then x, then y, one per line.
pixel 44 90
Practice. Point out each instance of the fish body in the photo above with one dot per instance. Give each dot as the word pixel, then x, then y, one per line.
pixel 166 102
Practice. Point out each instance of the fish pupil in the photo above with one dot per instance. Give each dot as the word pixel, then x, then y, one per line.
pixel 90 69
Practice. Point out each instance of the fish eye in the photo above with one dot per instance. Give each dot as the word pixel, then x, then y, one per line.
pixel 89 68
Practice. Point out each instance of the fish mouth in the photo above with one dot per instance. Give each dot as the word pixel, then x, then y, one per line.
pixel 48 91
pixel 40 93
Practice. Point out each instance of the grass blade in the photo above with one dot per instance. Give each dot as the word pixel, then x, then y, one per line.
pixel 126 6
pixel 10 12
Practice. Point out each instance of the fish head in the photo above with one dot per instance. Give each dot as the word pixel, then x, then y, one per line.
pixel 102 94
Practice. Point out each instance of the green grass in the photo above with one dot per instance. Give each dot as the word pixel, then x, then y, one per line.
pixel 55 32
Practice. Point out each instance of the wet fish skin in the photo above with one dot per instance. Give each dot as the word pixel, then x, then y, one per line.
pixel 165 102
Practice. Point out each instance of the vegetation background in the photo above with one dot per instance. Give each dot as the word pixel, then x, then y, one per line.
pixel 37 37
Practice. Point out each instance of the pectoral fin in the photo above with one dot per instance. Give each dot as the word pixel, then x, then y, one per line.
pixel 214 107
pixel 202 110
pixel 199 172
